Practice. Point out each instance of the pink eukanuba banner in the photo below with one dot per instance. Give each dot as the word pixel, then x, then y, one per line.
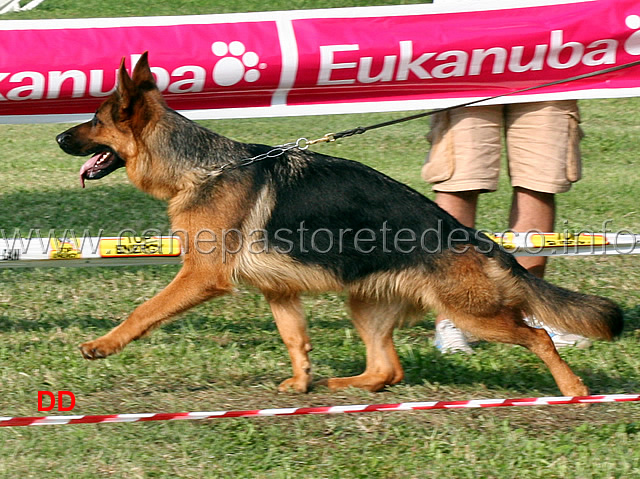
pixel 323 61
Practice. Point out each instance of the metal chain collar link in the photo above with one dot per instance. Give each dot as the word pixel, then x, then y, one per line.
pixel 300 144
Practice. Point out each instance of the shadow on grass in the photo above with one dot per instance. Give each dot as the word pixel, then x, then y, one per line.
pixel 421 365
pixel 89 323
pixel 632 319
pixel 110 207
pixel 435 368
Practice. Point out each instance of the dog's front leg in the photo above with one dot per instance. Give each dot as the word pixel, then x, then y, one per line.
pixel 289 316
pixel 190 287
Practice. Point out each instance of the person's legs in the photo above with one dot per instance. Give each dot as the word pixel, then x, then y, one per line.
pixel 464 161
pixel 544 159
pixel 462 206
pixel 532 211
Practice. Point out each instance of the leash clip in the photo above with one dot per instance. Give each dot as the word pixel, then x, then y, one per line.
pixel 329 137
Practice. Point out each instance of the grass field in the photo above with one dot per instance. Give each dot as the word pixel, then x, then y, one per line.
pixel 227 354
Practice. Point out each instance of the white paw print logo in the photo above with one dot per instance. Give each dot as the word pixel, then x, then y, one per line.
pixel 632 45
pixel 237 64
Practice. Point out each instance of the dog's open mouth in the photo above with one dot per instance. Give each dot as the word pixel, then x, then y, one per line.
pixel 100 165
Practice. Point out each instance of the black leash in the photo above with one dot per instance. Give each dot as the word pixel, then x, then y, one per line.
pixel 363 129
pixel 304 143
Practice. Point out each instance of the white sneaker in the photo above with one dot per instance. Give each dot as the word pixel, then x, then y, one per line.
pixel 450 339
pixel 560 339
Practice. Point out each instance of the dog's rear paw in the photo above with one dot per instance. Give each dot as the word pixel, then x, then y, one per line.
pixel 368 382
pixel 299 385
pixel 98 349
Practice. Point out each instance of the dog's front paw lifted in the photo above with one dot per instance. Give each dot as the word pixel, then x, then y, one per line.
pixel 100 348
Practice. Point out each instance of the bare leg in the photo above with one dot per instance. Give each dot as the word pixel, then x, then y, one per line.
pixel 292 326
pixel 375 324
pixel 462 205
pixel 532 210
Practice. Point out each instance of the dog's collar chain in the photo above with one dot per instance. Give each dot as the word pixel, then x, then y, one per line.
pixel 300 144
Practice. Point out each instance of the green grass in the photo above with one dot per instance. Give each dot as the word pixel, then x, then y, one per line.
pixel 227 354
pixel 100 8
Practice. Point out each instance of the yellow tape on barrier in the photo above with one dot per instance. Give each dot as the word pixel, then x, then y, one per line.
pixel 137 246
pixel 549 240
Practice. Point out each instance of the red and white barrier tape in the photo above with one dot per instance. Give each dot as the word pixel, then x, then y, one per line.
pixel 359 408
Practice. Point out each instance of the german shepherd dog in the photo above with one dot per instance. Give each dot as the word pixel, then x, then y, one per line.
pixel 324 224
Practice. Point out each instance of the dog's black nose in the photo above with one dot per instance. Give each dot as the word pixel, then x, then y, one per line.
pixel 63 138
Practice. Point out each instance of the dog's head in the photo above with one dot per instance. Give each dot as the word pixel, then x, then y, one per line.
pixel 112 136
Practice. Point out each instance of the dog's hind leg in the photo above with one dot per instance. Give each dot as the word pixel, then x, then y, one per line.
pixel 289 316
pixel 375 323
pixel 190 287
pixel 508 327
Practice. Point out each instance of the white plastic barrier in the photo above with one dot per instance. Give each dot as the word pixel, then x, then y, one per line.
pixel 130 250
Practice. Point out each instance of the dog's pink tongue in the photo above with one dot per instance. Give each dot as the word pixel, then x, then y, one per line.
pixel 90 163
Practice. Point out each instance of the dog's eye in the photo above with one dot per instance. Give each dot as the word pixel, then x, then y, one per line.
pixel 95 121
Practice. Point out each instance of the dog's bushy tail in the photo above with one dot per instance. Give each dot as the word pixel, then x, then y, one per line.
pixel 571 312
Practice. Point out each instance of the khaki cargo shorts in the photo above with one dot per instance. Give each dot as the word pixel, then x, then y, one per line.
pixel 542 139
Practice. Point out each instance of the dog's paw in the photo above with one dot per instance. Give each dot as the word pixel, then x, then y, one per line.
pixel 298 385
pixel 100 348
pixel 362 382
pixel 575 388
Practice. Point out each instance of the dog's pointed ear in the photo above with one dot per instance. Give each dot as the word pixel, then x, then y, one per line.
pixel 126 88
pixel 142 73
